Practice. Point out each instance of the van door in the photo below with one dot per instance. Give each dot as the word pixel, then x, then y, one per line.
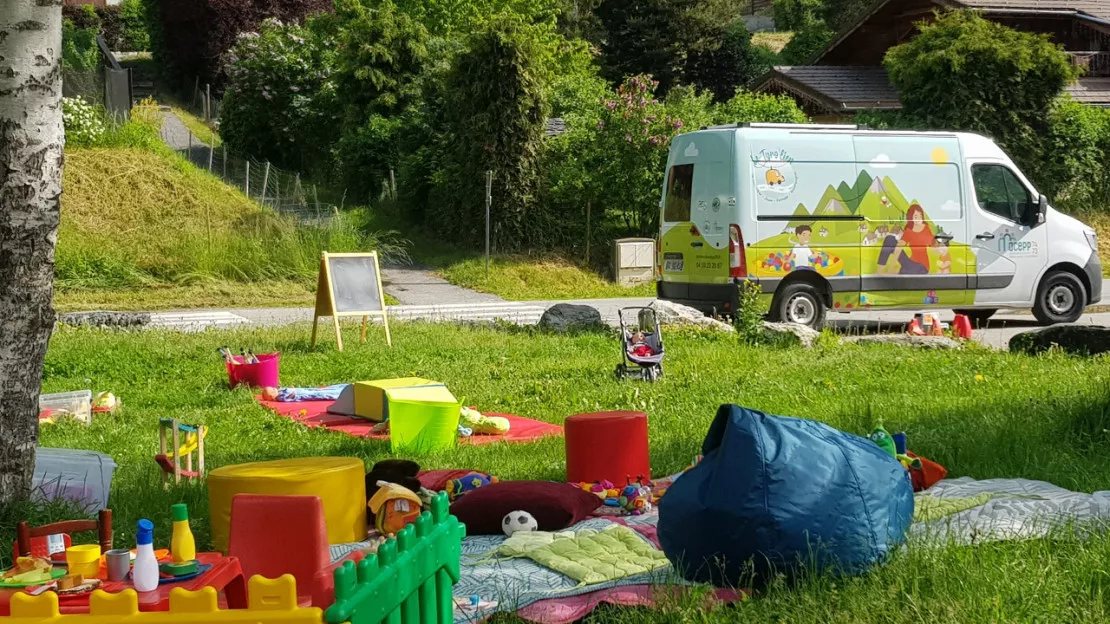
pixel 1010 251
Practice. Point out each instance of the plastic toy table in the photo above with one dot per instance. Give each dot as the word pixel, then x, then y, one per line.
pixel 225 575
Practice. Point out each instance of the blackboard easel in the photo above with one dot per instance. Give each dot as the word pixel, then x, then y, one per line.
pixel 350 284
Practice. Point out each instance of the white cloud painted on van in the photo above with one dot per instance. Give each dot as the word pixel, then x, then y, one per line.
pixel 691 151
pixel 882 161
pixel 950 206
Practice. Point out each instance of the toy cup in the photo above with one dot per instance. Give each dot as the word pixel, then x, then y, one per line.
pixel 119 564
pixel 84 560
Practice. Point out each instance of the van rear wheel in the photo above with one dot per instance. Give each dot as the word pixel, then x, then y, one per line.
pixel 1061 298
pixel 799 303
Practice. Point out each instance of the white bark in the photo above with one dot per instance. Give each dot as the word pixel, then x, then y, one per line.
pixel 31 140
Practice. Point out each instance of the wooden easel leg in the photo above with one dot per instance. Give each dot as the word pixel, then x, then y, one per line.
pixel 363 339
pixel 200 455
pixel 162 449
pixel 338 334
pixel 315 322
pixel 176 458
pixel 385 324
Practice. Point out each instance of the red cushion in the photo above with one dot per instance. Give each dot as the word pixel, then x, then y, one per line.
pixel 554 505
pixel 436 480
pixel 927 476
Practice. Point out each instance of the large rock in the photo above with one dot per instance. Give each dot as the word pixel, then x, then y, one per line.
pixel 906 340
pixel 670 313
pixel 563 317
pixel 1081 339
pixel 102 318
pixel 805 334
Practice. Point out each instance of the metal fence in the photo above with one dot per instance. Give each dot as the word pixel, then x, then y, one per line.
pixel 259 180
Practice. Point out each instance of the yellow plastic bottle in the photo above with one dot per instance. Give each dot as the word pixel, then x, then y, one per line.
pixel 182 544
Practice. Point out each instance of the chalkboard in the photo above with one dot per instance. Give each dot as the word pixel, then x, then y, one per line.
pixel 350 284
pixel 354 284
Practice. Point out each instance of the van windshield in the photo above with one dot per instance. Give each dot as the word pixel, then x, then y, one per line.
pixel 680 184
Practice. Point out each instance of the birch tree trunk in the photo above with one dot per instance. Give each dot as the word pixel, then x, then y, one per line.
pixel 31 140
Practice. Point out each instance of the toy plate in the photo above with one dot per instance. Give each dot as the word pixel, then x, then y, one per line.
pixel 164 579
pixel 54 574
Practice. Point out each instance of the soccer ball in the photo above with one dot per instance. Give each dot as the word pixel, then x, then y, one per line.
pixel 518 521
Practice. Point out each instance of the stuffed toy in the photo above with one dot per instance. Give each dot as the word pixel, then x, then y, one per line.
pixel 886 442
pixel 635 498
pixel 517 521
pixel 604 490
pixel 400 471
pixel 456 488
pixel 480 424
pixel 393 506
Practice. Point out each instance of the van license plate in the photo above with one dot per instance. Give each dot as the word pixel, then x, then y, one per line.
pixel 673 263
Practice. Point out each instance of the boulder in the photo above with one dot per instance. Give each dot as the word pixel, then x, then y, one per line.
pixel 563 317
pixel 805 334
pixel 906 340
pixel 670 313
pixel 1079 339
pixel 103 318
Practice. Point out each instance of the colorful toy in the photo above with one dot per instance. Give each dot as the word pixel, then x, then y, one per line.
pixel 516 521
pixel 605 490
pixel 481 424
pixel 194 443
pixel 635 497
pixel 458 487
pixel 394 506
pixel 886 442
pixel 182 544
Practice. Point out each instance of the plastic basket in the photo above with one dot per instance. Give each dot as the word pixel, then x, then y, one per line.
pixel 261 375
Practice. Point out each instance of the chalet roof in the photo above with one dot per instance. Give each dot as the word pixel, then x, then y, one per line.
pixel 1098 9
pixel 853 89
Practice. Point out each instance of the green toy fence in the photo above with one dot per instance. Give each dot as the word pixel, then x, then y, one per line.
pixel 409 580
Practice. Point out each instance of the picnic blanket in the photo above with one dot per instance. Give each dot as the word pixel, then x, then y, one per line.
pixel 520 582
pixel 315 414
pixel 968 511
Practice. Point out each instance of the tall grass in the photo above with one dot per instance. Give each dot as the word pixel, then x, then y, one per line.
pixel 134 214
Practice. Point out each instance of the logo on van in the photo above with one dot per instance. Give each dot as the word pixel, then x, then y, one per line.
pixel 1010 246
pixel 774 174
pixel 691 151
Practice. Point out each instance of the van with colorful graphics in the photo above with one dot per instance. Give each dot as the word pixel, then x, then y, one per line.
pixel 844 218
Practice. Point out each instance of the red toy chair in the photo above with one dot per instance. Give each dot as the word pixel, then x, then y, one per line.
pixel 275 535
pixel 34 541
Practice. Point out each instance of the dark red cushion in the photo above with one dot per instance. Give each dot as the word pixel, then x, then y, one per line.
pixel 554 505
pixel 436 480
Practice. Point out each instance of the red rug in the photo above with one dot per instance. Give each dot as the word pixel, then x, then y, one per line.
pixel 315 414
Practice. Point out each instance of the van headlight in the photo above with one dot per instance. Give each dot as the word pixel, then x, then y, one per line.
pixel 1092 239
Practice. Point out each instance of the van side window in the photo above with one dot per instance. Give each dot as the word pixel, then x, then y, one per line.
pixel 1000 193
pixel 680 186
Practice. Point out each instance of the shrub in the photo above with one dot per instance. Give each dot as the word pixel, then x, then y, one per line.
pixel 725 61
pixel 281 102
pixel 1075 171
pixel 796 14
pixel 79 50
pixel 964 72
pixel 806 42
pixel 494 109
pixel 84 124
pixel 195 35
pixel 133 26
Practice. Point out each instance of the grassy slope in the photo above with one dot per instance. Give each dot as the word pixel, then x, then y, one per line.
pixel 979 413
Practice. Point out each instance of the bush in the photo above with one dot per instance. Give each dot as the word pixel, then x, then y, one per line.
pixel 84 124
pixel 1075 171
pixel 133 27
pixel 806 42
pixel 964 72
pixel 725 61
pixel 796 15
pixel 195 35
pixel 281 102
pixel 495 110
pixel 79 50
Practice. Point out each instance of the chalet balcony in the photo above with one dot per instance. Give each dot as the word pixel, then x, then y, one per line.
pixel 1096 64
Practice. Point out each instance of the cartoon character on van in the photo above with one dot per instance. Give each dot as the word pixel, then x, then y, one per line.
pixel 779 178
pixel 774 177
pixel 910 250
pixel 801 255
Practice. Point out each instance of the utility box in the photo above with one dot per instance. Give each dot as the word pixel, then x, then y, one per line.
pixel 633 261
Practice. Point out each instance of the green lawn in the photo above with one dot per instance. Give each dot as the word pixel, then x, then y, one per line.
pixel 980 413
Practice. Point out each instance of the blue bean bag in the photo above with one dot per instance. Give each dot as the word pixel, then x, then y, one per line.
pixel 772 492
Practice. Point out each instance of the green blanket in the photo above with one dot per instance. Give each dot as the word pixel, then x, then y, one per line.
pixel 588 555
pixel 927 508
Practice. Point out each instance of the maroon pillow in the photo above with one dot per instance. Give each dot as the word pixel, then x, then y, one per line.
pixel 554 505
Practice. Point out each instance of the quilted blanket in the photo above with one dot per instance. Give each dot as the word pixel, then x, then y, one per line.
pixel 967 511
pixel 588 556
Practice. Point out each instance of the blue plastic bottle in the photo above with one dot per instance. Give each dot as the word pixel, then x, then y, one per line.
pixel 145 573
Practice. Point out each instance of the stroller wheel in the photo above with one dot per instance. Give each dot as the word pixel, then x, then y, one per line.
pixel 620 371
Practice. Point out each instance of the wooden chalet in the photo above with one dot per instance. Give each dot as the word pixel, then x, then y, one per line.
pixel 848 77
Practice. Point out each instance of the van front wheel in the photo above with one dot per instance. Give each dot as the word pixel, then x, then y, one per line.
pixel 800 303
pixel 1061 298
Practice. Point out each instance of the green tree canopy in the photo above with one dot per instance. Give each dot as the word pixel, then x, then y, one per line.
pixel 964 72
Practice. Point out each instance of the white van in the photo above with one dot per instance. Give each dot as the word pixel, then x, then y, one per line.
pixel 844 218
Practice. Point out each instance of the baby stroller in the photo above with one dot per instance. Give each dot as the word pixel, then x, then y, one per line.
pixel 636 360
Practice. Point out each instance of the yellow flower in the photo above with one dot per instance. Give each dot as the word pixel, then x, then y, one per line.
pixel 980 378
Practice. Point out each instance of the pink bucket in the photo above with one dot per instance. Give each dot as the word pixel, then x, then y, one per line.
pixel 261 375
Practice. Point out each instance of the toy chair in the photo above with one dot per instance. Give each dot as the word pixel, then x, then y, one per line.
pixel 33 541
pixel 194 444
pixel 275 535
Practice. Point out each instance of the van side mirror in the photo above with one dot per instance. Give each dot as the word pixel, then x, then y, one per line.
pixel 1042 210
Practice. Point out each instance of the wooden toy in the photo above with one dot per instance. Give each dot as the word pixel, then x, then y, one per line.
pixel 194 445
